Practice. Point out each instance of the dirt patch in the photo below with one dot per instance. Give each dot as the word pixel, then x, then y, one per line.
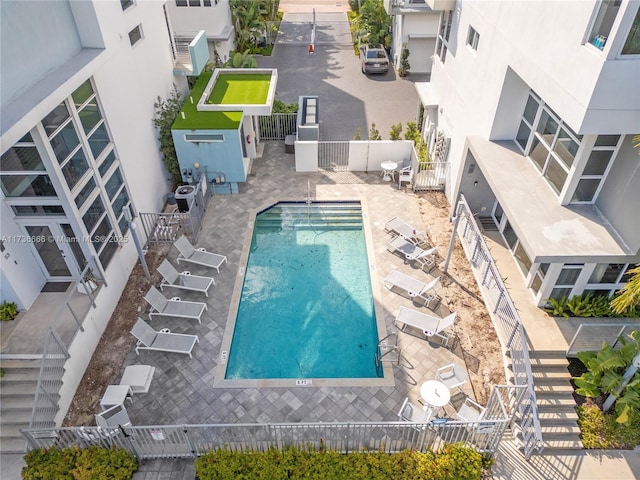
pixel 109 356
pixel 477 338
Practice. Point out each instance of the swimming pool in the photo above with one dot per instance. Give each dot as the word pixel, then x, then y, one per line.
pixel 306 309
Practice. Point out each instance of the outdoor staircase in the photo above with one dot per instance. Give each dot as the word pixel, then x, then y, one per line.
pixel 556 406
pixel 17 394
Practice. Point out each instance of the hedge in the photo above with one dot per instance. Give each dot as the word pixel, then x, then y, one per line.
pixel 74 463
pixel 452 462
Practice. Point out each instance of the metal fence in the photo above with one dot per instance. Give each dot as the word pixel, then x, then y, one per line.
pixel 589 337
pixel 54 351
pixel 167 227
pixel 277 126
pixel 190 441
pixel 333 156
pixel 429 175
pixel 507 321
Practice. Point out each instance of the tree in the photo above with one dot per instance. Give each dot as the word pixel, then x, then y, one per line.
pixel 629 293
pixel 374 134
pixel 166 113
pixel 394 133
pixel 241 60
pixel 358 134
pixel 249 23
pixel 405 66
pixel 412 132
pixel 376 22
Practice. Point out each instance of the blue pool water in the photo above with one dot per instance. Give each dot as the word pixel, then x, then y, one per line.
pixel 306 309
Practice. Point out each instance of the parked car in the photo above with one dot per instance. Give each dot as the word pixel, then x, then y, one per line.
pixel 373 59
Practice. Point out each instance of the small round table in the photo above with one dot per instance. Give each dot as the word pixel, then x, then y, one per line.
pixel 435 393
pixel 388 170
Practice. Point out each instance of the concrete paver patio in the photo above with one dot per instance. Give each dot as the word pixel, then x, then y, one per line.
pixel 182 390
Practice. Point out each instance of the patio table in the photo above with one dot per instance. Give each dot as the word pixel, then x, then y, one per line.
pixel 435 393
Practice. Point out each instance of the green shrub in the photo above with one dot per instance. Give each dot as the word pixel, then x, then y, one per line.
pixel 280 107
pixel 587 305
pixel 452 462
pixel 8 311
pixel 93 463
pixel 601 431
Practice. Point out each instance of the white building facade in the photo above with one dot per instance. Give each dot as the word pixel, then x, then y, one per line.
pixel 78 143
pixel 540 101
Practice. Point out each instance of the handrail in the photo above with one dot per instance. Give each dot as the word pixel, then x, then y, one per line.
pixel 509 327
pixel 55 353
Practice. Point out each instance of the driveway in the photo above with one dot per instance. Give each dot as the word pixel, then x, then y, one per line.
pixel 348 99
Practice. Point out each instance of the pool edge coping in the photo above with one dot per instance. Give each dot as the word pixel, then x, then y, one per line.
pixel 219 381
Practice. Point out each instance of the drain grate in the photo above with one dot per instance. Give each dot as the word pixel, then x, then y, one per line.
pixel 55 287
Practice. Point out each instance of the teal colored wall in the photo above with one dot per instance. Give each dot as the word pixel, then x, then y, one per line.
pixel 225 157
pixel 199 53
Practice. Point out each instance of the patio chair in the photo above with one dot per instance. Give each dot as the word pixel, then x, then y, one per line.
pixel 409 412
pixel 412 286
pixel 148 339
pixel 184 280
pixel 198 256
pixel 452 375
pixel 413 253
pixel 405 175
pixel 403 229
pixel 470 411
pixel 430 325
pixel 138 377
pixel 161 306
pixel 111 418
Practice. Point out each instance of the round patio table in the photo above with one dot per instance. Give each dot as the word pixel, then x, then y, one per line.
pixel 435 393
pixel 388 170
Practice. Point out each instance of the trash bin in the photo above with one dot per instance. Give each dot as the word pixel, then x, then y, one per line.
pixel 290 144
pixel 171 198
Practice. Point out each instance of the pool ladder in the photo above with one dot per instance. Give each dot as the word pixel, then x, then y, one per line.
pixel 388 350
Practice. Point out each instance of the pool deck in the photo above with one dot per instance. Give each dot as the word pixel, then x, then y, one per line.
pixel 183 389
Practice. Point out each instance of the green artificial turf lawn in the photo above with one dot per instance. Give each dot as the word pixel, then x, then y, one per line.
pixel 240 89
pixel 196 120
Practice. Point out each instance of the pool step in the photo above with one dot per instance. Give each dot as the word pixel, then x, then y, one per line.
pixel 301 215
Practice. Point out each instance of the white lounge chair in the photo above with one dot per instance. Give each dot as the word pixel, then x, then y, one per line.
pixel 410 412
pixel 412 252
pixel 183 280
pixel 199 256
pixel 406 231
pixel 174 307
pixel 452 375
pixel 149 339
pixel 111 418
pixel 430 325
pixel 412 286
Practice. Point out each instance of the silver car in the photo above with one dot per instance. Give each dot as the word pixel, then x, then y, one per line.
pixel 373 59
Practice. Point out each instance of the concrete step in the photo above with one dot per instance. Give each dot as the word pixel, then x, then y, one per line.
pixel 549 354
pixel 564 441
pixel 20 417
pixel 559 388
pixel 550 371
pixel 553 406
pixel 13 444
pixel 26 375
pixel 16 364
pixel 549 430
pixel 562 416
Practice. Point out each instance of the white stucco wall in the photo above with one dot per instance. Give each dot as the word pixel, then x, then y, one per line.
pixel 542 43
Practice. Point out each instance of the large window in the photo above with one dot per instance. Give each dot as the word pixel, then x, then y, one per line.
pixel 632 44
pixel 601 29
pixel 548 142
pixel 596 169
pixel 442 43
pixel 566 280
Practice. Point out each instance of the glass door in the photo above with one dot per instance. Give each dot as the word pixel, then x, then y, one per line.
pixel 55 258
